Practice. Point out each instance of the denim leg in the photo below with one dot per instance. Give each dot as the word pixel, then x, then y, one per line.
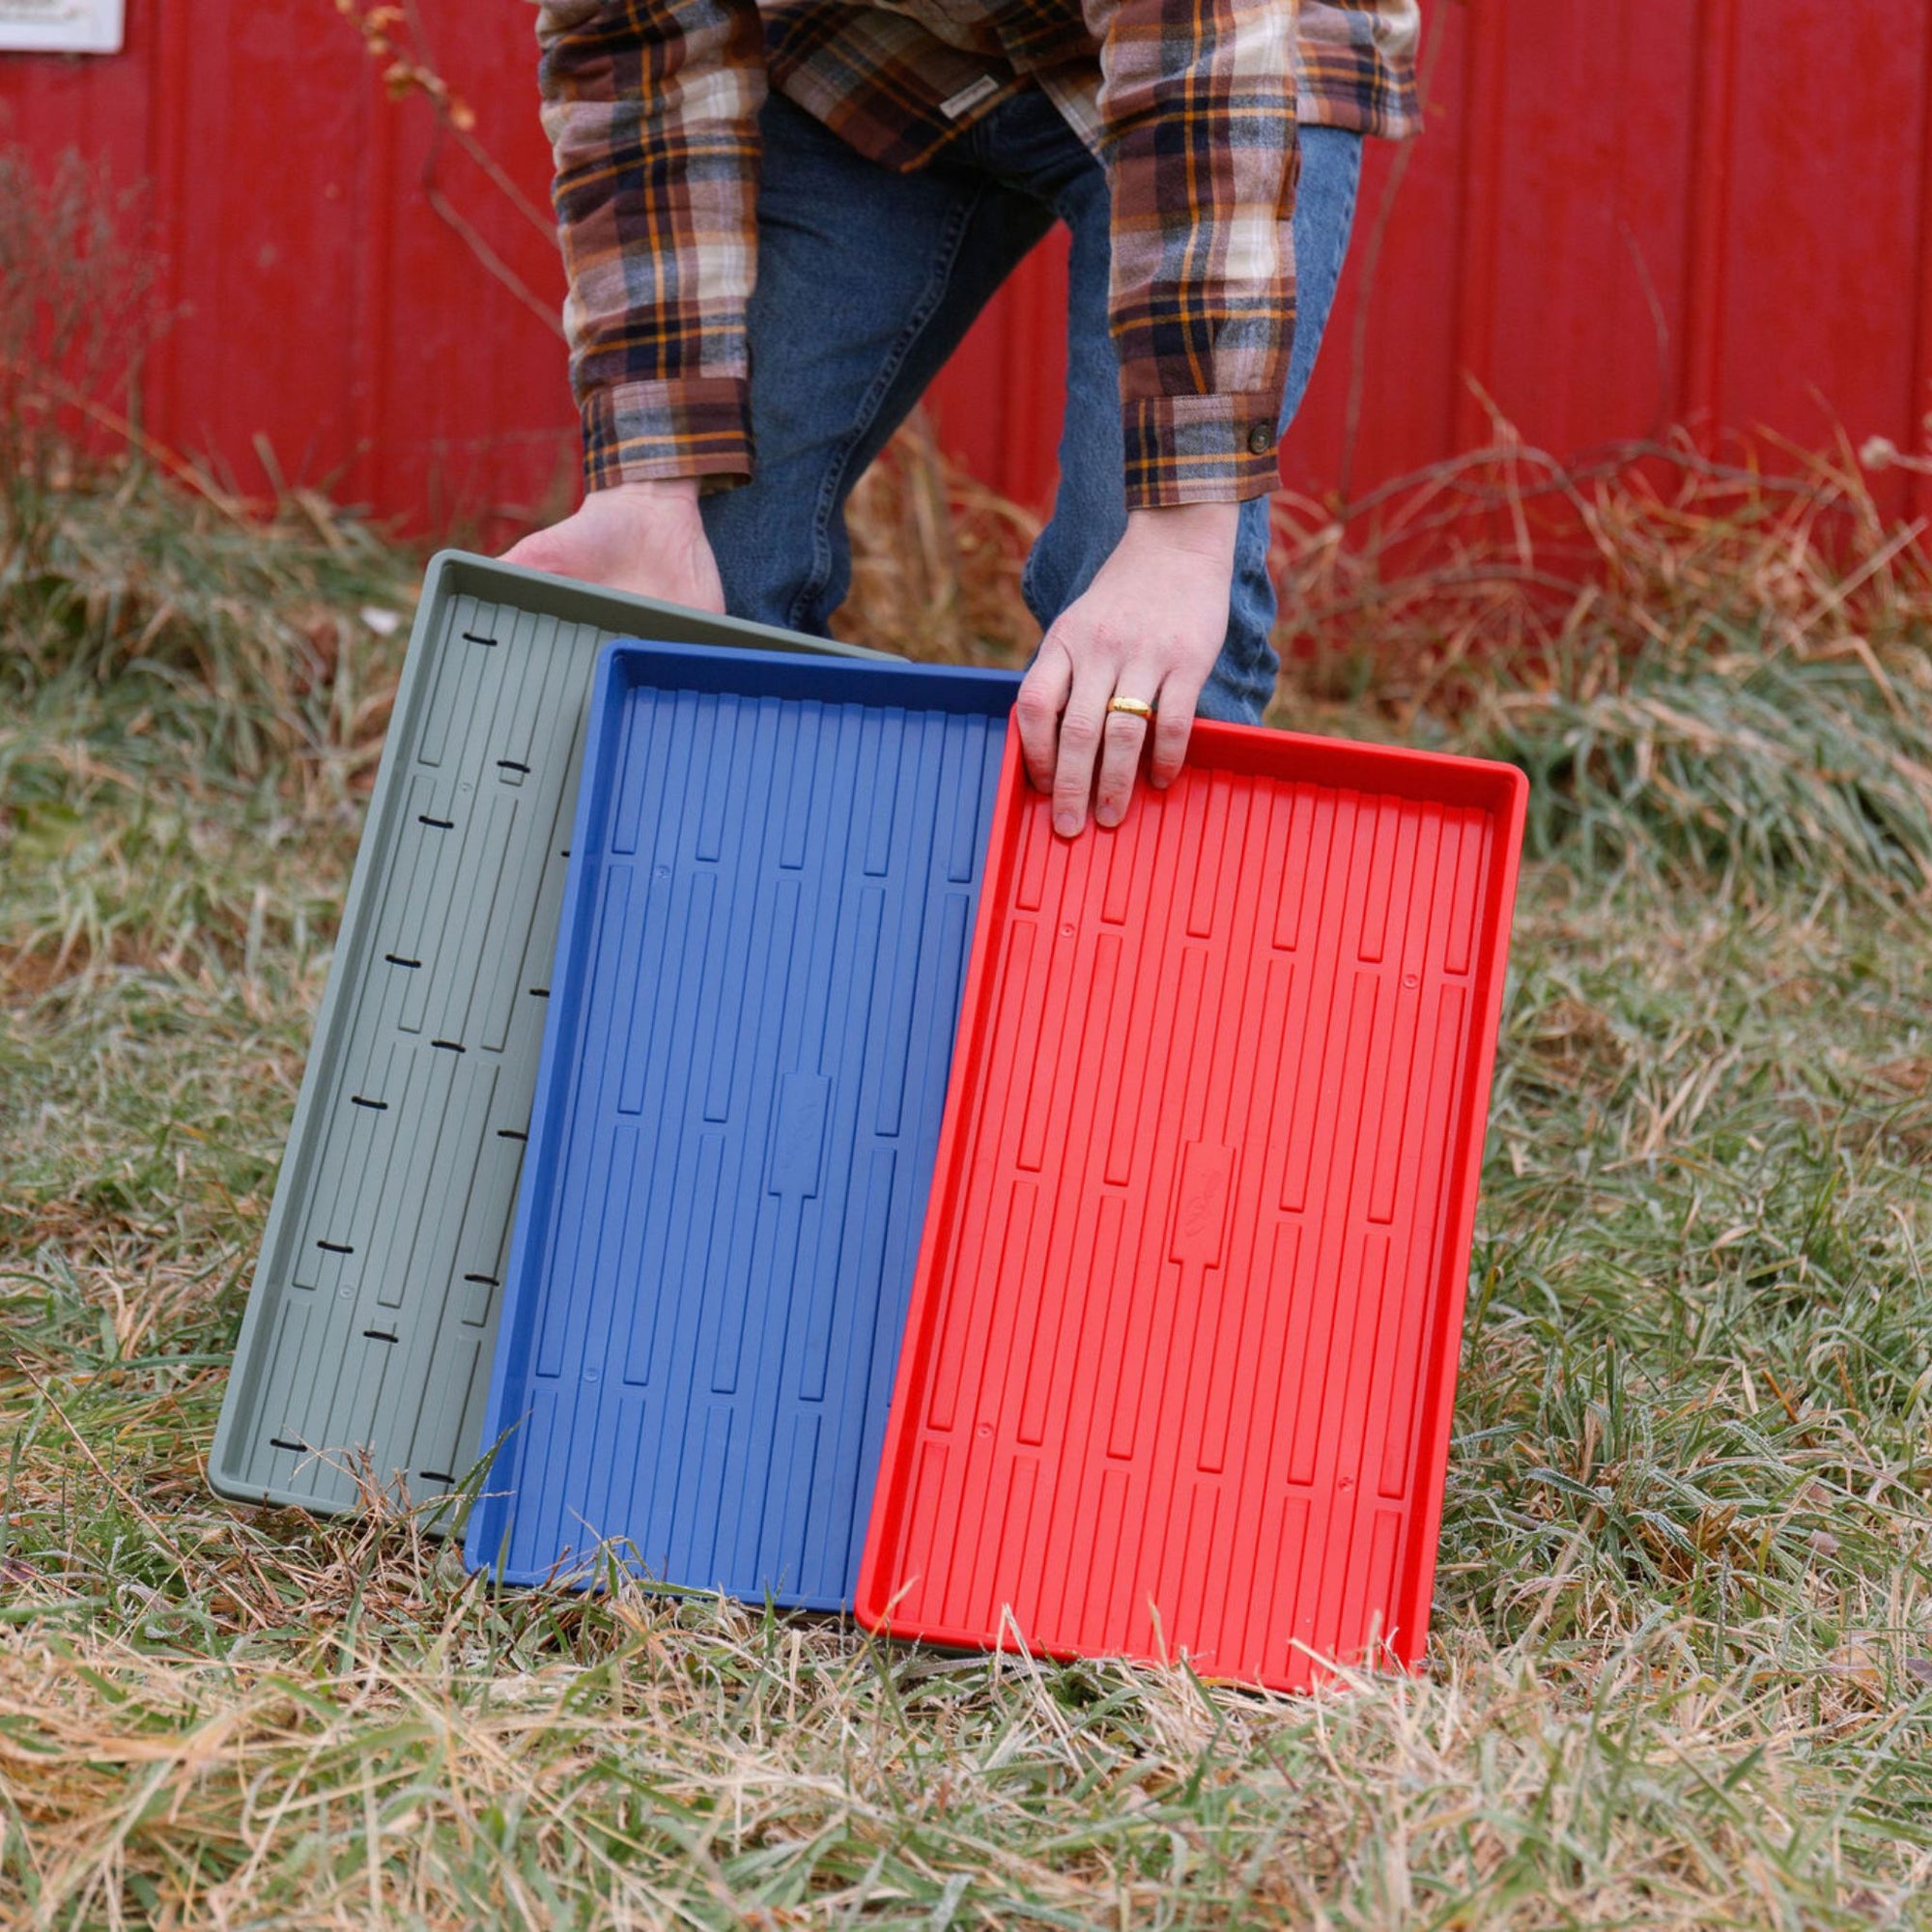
pixel 1244 676
pixel 866 281
pixel 1090 502
pixel 1090 510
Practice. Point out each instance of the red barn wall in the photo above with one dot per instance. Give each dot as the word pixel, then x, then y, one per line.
pixel 1621 217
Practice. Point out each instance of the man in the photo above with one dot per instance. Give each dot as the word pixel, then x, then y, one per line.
pixel 780 219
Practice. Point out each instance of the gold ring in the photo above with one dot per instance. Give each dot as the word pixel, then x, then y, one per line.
pixel 1133 707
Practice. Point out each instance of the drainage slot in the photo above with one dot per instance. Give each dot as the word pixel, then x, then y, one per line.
pixel 448 1045
pixel 334 1248
pixel 471 637
pixel 397 959
pixel 484 1280
pixel 377 1335
pixel 283 1442
pixel 511 1134
pixel 539 992
pixel 362 1101
pixel 435 1475
pixel 440 824
pixel 511 765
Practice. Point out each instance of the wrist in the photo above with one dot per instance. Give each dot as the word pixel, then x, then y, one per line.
pixel 1206 531
pixel 652 492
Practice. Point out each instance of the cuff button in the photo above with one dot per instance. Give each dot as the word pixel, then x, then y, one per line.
pixel 1261 438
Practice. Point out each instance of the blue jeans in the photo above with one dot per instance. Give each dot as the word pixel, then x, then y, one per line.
pixel 868 281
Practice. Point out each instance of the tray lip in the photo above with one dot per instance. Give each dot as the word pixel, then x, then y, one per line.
pixel 572 600
pixel 450 574
pixel 626 664
pixel 1359 766
pixel 589 1580
pixel 622 667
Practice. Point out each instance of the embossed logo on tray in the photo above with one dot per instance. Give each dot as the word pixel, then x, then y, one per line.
pixel 1201 1204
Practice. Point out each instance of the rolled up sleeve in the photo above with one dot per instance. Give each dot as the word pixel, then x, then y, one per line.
pixel 651 108
pixel 1197 105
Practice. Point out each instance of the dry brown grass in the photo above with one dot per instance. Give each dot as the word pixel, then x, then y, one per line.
pixel 1568 573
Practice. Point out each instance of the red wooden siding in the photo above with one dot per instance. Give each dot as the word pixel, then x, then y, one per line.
pixel 323 306
pixel 1621 218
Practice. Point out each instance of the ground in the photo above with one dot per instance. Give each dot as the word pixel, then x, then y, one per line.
pixel 1681 1668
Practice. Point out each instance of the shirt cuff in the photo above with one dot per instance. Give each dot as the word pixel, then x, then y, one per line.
pixel 1200 449
pixel 691 426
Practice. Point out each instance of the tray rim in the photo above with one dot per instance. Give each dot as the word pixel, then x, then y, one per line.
pixel 451 573
pixel 1342 764
pixel 490 1516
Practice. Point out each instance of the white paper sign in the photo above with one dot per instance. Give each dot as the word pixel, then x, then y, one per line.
pixel 61 26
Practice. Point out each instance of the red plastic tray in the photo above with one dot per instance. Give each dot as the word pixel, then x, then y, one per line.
pixel 1183 1344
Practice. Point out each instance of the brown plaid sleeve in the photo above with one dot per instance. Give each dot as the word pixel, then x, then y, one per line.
pixel 651 108
pixel 1197 106
pixel 1357 61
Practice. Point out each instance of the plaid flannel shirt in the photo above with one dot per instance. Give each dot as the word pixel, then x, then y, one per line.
pixel 652 111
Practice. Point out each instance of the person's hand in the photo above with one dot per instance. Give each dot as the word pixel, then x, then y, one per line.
pixel 642 537
pixel 1149 627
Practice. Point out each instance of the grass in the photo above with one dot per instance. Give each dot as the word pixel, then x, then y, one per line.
pixel 1681 1672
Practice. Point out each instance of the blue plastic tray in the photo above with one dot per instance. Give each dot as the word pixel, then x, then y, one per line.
pixel 763 940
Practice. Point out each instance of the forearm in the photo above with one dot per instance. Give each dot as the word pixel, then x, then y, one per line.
pixel 651 108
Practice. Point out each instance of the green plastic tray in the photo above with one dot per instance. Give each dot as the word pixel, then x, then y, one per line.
pixel 364 1355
